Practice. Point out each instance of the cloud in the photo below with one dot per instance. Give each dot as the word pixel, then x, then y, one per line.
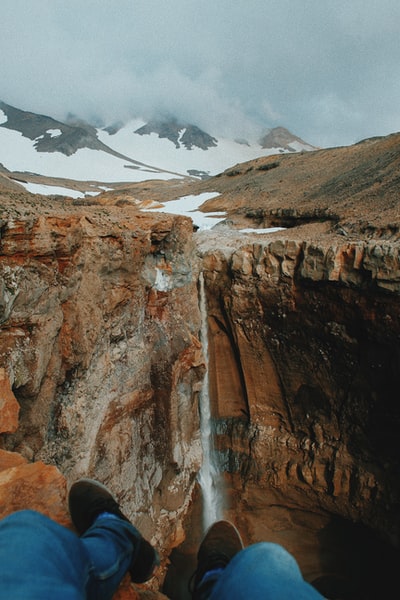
pixel 329 71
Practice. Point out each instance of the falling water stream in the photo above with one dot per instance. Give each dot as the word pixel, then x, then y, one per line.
pixel 209 475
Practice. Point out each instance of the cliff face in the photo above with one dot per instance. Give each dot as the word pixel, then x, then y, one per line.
pixel 99 346
pixel 305 373
pixel 99 343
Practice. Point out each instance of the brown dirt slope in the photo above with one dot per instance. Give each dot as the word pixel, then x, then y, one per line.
pixel 356 186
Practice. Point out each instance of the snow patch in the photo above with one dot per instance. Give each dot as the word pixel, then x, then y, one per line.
pixel 266 230
pixel 181 134
pixel 3 117
pixel 48 190
pixel 54 132
pixel 299 147
pixel 188 205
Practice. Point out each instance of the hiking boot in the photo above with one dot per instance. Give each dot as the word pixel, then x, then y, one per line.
pixel 220 544
pixel 87 499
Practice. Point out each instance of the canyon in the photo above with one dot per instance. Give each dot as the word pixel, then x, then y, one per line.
pixel 102 363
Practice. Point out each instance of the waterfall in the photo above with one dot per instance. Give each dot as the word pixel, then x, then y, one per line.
pixel 209 475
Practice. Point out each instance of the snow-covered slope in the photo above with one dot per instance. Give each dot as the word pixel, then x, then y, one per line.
pixel 163 153
pixel 18 153
pixel 137 151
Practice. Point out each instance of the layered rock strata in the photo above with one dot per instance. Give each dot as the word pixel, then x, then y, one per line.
pixel 100 356
pixel 304 377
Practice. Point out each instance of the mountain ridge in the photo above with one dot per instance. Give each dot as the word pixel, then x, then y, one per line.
pixel 179 134
pixel 50 135
pixel 38 144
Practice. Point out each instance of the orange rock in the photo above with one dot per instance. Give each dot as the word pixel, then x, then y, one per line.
pixel 9 407
pixel 10 459
pixel 126 591
pixel 34 486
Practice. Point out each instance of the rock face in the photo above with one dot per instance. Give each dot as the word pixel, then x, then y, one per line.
pixel 50 135
pixel 279 137
pixel 99 344
pixel 9 407
pixel 179 134
pixel 304 379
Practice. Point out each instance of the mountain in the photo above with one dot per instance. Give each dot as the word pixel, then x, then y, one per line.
pixel 180 134
pixel 48 134
pixel 76 158
pixel 281 139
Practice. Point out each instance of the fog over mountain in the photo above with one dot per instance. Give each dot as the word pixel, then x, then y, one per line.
pixel 328 71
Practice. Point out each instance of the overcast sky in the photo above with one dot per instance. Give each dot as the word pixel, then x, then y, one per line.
pixel 328 70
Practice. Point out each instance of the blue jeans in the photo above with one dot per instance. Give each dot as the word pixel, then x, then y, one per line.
pixel 263 570
pixel 40 559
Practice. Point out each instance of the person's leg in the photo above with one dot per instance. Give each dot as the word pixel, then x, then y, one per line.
pixel 220 544
pixel 264 570
pixel 40 559
pixel 111 544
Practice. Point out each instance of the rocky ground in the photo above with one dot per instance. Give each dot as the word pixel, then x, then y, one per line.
pixel 354 187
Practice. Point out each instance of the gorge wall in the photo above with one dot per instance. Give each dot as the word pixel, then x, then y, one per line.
pixel 99 345
pixel 305 373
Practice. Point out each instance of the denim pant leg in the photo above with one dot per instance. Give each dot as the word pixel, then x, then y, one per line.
pixel 111 546
pixel 40 559
pixel 266 571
